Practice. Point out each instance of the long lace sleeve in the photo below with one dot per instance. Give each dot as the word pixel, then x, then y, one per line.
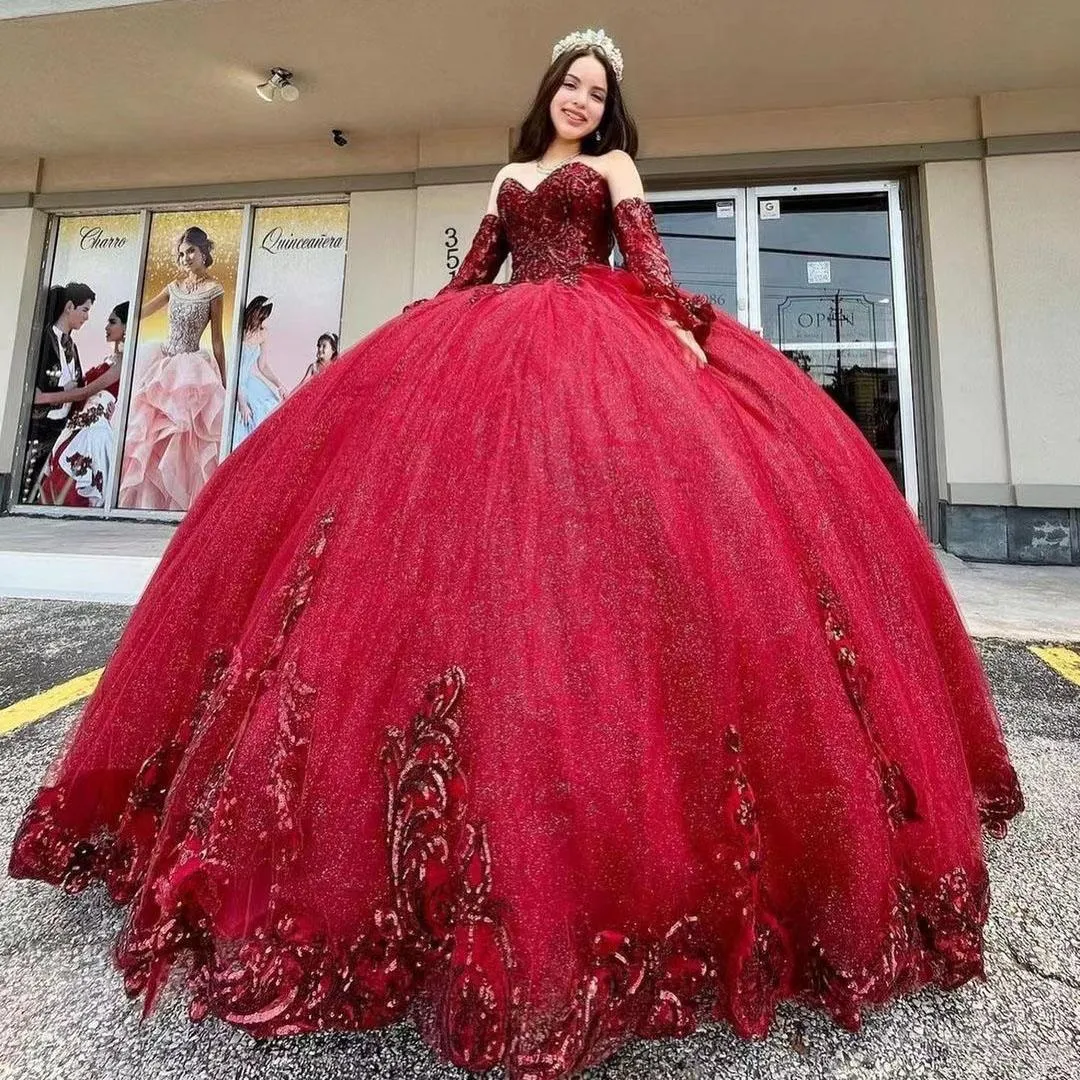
pixel 486 254
pixel 645 258
pixel 481 264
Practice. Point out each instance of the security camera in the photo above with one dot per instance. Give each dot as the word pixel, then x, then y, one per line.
pixel 339 137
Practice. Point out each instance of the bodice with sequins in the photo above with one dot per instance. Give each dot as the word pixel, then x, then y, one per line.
pixel 559 227
pixel 189 315
pixel 567 224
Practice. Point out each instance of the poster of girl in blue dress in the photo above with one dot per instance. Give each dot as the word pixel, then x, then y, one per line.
pixel 292 312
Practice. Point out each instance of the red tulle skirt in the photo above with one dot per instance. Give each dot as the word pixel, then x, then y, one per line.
pixel 518 677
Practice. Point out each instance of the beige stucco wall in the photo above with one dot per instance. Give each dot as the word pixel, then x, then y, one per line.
pixel 709 134
pixel 403 246
pixel 1003 277
pixel 771 131
pixel 884 124
pixel 379 269
pixel 447 216
pixel 813 128
pixel 1023 112
pixel 22 236
pixel 1003 257
pixel 1034 206
pixel 973 456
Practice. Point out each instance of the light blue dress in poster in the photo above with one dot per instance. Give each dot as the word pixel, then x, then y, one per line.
pixel 260 397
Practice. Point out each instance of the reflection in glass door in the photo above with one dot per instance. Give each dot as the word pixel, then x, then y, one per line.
pixel 705 237
pixel 823 281
pixel 826 288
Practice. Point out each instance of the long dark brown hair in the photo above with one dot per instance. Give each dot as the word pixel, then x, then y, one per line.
pixel 617 128
pixel 256 313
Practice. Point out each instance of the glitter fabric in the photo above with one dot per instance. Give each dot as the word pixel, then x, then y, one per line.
pixel 556 691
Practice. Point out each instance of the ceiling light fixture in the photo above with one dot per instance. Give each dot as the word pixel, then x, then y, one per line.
pixel 279 84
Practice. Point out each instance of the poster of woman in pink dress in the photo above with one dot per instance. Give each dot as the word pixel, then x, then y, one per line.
pixel 178 395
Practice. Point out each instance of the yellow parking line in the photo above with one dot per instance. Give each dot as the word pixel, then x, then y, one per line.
pixel 1066 662
pixel 48 701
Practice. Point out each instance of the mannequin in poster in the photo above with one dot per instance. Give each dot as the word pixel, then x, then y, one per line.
pixel 260 390
pixel 174 426
pixel 80 465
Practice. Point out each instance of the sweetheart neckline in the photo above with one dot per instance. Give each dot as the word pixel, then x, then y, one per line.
pixel 551 176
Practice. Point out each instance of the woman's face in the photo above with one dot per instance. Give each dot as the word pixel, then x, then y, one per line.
pixel 189 257
pixel 114 329
pixel 578 105
pixel 325 352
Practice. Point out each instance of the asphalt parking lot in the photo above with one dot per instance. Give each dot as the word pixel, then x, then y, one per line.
pixel 65 1015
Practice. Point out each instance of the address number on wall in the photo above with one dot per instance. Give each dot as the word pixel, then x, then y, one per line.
pixel 453 247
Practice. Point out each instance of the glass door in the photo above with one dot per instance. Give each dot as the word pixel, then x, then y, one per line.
pixel 827 289
pixel 704 233
pixel 818 271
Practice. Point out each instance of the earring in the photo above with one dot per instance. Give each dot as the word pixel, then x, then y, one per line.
pixel 597 135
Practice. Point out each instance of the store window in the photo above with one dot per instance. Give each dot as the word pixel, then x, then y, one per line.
pixel 167 339
pixel 292 314
pixel 77 361
pixel 818 270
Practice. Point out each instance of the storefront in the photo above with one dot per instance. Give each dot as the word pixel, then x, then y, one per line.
pixel 915 257
pixel 189 326
pixel 819 271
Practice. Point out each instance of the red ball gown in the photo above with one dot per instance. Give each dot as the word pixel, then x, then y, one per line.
pixel 521 677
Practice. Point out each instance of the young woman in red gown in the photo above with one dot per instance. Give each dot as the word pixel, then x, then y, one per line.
pixel 583 674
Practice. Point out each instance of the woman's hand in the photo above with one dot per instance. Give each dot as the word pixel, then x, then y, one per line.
pixel 688 339
pixel 245 409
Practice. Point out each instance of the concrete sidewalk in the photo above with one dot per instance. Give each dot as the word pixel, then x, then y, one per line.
pixel 1022 603
pixel 52 558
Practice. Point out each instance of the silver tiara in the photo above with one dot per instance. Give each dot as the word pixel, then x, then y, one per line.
pixel 594 39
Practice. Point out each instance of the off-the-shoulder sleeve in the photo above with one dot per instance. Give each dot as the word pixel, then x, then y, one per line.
pixel 645 258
